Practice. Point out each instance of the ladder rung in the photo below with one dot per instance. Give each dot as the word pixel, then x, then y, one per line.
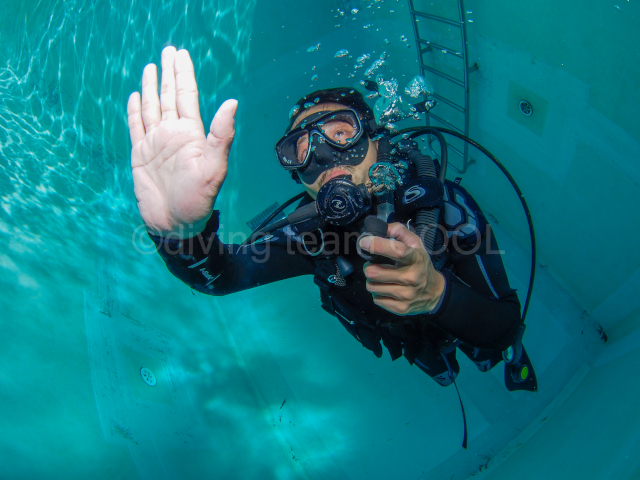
pixel 441 47
pixel 443 75
pixel 443 121
pixel 455 150
pixel 436 18
pixel 452 148
pixel 450 103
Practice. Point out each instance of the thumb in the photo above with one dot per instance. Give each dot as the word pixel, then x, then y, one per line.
pixel 218 145
pixel 222 130
pixel 404 235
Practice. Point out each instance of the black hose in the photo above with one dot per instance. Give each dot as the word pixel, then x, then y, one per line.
pixel 444 152
pixel 418 131
pixel 273 215
pixel 384 149
pixel 427 218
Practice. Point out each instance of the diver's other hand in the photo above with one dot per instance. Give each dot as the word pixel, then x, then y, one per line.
pixel 177 170
pixel 412 286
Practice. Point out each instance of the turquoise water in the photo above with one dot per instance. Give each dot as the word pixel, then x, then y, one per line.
pixel 85 303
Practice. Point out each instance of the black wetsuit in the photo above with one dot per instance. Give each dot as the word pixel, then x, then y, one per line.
pixel 479 312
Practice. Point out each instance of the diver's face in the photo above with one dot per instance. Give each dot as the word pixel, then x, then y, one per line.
pixel 359 173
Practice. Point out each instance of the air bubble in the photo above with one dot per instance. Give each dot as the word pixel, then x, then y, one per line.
pixel 376 65
pixel 418 86
pixel 387 88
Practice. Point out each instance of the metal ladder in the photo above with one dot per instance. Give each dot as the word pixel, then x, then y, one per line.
pixel 459 80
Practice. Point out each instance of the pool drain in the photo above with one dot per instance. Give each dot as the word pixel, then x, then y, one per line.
pixel 148 376
pixel 526 108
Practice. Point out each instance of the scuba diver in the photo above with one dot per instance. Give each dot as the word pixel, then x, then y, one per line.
pixel 402 257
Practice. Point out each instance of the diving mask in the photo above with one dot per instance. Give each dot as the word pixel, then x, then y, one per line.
pixel 322 141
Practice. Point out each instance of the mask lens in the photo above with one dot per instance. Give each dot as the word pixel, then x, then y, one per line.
pixel 302 147
pixel 292 150
pixel 340 128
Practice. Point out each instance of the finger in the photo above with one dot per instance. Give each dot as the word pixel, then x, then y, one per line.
pixel 388 248
pixel 396 292
pixel 134 114
pixel 150 98
pixel 404 235
pixel 398 275
pixel 168 85
pixel 186 87
pixel 219 140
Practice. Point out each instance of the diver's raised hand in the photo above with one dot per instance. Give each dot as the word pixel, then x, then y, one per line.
pixel 177 170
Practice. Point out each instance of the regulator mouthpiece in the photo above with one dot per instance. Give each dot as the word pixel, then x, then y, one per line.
pixel 341 202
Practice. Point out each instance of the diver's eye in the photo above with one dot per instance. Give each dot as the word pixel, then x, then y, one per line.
pixel 301 147
pixel 339 130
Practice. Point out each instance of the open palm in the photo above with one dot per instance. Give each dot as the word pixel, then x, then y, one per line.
pixel 177 170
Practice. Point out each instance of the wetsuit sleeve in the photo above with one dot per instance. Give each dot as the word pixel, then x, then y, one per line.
pixel 209 266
